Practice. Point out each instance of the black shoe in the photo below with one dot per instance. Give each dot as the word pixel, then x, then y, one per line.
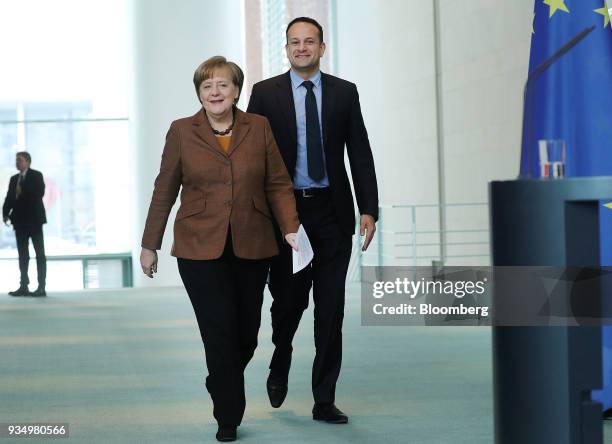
pixel 40 291
pixel 277 391
pixel 21 291
pixel 226 433
pixel 328 413
pixel 607 414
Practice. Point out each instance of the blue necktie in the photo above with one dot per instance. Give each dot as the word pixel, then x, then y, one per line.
pixel 314 149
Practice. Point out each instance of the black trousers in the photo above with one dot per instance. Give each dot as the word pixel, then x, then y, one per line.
pixel 226 294
pixel 326 275
pixel 23 235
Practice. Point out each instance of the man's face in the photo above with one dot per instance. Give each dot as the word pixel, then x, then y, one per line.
pixel 21 164
pixel 304 49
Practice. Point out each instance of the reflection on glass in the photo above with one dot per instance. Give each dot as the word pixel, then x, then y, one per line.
pixel 85 184
pixel 64 100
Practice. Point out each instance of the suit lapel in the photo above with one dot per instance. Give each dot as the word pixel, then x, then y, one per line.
pixel 13 185
pixel 327 105
pixel 287 107
pixel 27 177
pixel 204 132
pixel 239 132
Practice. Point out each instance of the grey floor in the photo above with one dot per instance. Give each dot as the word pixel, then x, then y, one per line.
pixel 127 366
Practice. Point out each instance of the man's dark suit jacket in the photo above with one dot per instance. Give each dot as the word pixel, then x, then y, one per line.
pixel 342 124
pixel 28 210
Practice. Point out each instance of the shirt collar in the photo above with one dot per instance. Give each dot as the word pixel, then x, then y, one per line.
pixel 296 80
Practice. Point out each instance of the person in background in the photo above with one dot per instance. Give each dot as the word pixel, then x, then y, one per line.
pixel 313 116
pixel 23 207
pixel 233 183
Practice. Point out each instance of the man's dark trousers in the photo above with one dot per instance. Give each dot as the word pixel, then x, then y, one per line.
pixel 23 235
pixel 327 273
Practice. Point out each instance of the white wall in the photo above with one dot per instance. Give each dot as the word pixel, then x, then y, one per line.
pixel 485 56
pixel 171 38
pixel 387 47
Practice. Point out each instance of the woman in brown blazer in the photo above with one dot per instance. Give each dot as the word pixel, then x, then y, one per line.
pixel 232 181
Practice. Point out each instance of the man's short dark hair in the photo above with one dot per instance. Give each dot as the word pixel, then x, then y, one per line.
pixel 304 20
pixel 25 155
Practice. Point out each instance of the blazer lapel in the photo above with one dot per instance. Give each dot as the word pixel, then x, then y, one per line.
pixel 239 132
pixel 287 107
pixel 204 132
pixel 327 105
pixel 13 185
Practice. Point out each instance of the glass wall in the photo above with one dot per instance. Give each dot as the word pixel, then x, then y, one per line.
pixel 64 100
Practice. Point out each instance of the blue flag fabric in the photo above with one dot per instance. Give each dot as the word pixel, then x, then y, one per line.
pixel 572 100
pixel 605 238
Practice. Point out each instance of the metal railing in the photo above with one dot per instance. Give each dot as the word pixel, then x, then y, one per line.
pixel 88 259
pixel 405 236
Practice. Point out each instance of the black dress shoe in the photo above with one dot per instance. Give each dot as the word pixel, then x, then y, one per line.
pixel 226 433
pixel 277 391
pixel 607 414
pixel 39 292
pixel 21 291
pixel 328 413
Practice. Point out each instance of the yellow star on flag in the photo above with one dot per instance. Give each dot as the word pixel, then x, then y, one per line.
pixel 604 11
pixel 608 205
pixel 554 5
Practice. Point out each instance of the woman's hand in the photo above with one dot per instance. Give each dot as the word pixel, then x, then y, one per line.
pixel 291 239
pixel 148 261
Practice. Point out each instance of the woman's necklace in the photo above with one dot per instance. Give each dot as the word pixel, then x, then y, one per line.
pixel 227 130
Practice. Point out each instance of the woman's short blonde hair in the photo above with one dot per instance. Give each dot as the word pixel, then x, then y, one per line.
pixel 207 70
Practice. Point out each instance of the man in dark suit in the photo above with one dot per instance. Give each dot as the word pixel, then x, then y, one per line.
pixel 313 116
pixel 23 206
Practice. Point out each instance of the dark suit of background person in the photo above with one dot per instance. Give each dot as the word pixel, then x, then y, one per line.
pixel 223 231
pixel 327 213
pixel 23 206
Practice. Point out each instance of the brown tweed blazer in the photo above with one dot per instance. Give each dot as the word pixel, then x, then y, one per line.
pixel 244 188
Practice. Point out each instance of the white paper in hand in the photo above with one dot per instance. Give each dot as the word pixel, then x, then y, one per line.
pixel 304 255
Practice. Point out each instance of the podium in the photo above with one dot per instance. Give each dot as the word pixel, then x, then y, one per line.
pixel 543 376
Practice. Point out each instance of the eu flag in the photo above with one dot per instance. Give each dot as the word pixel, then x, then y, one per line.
pixel 572 100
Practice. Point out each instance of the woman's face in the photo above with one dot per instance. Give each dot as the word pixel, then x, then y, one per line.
pixel 218 93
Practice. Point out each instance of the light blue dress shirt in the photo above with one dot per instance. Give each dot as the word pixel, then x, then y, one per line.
pixel 301 178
